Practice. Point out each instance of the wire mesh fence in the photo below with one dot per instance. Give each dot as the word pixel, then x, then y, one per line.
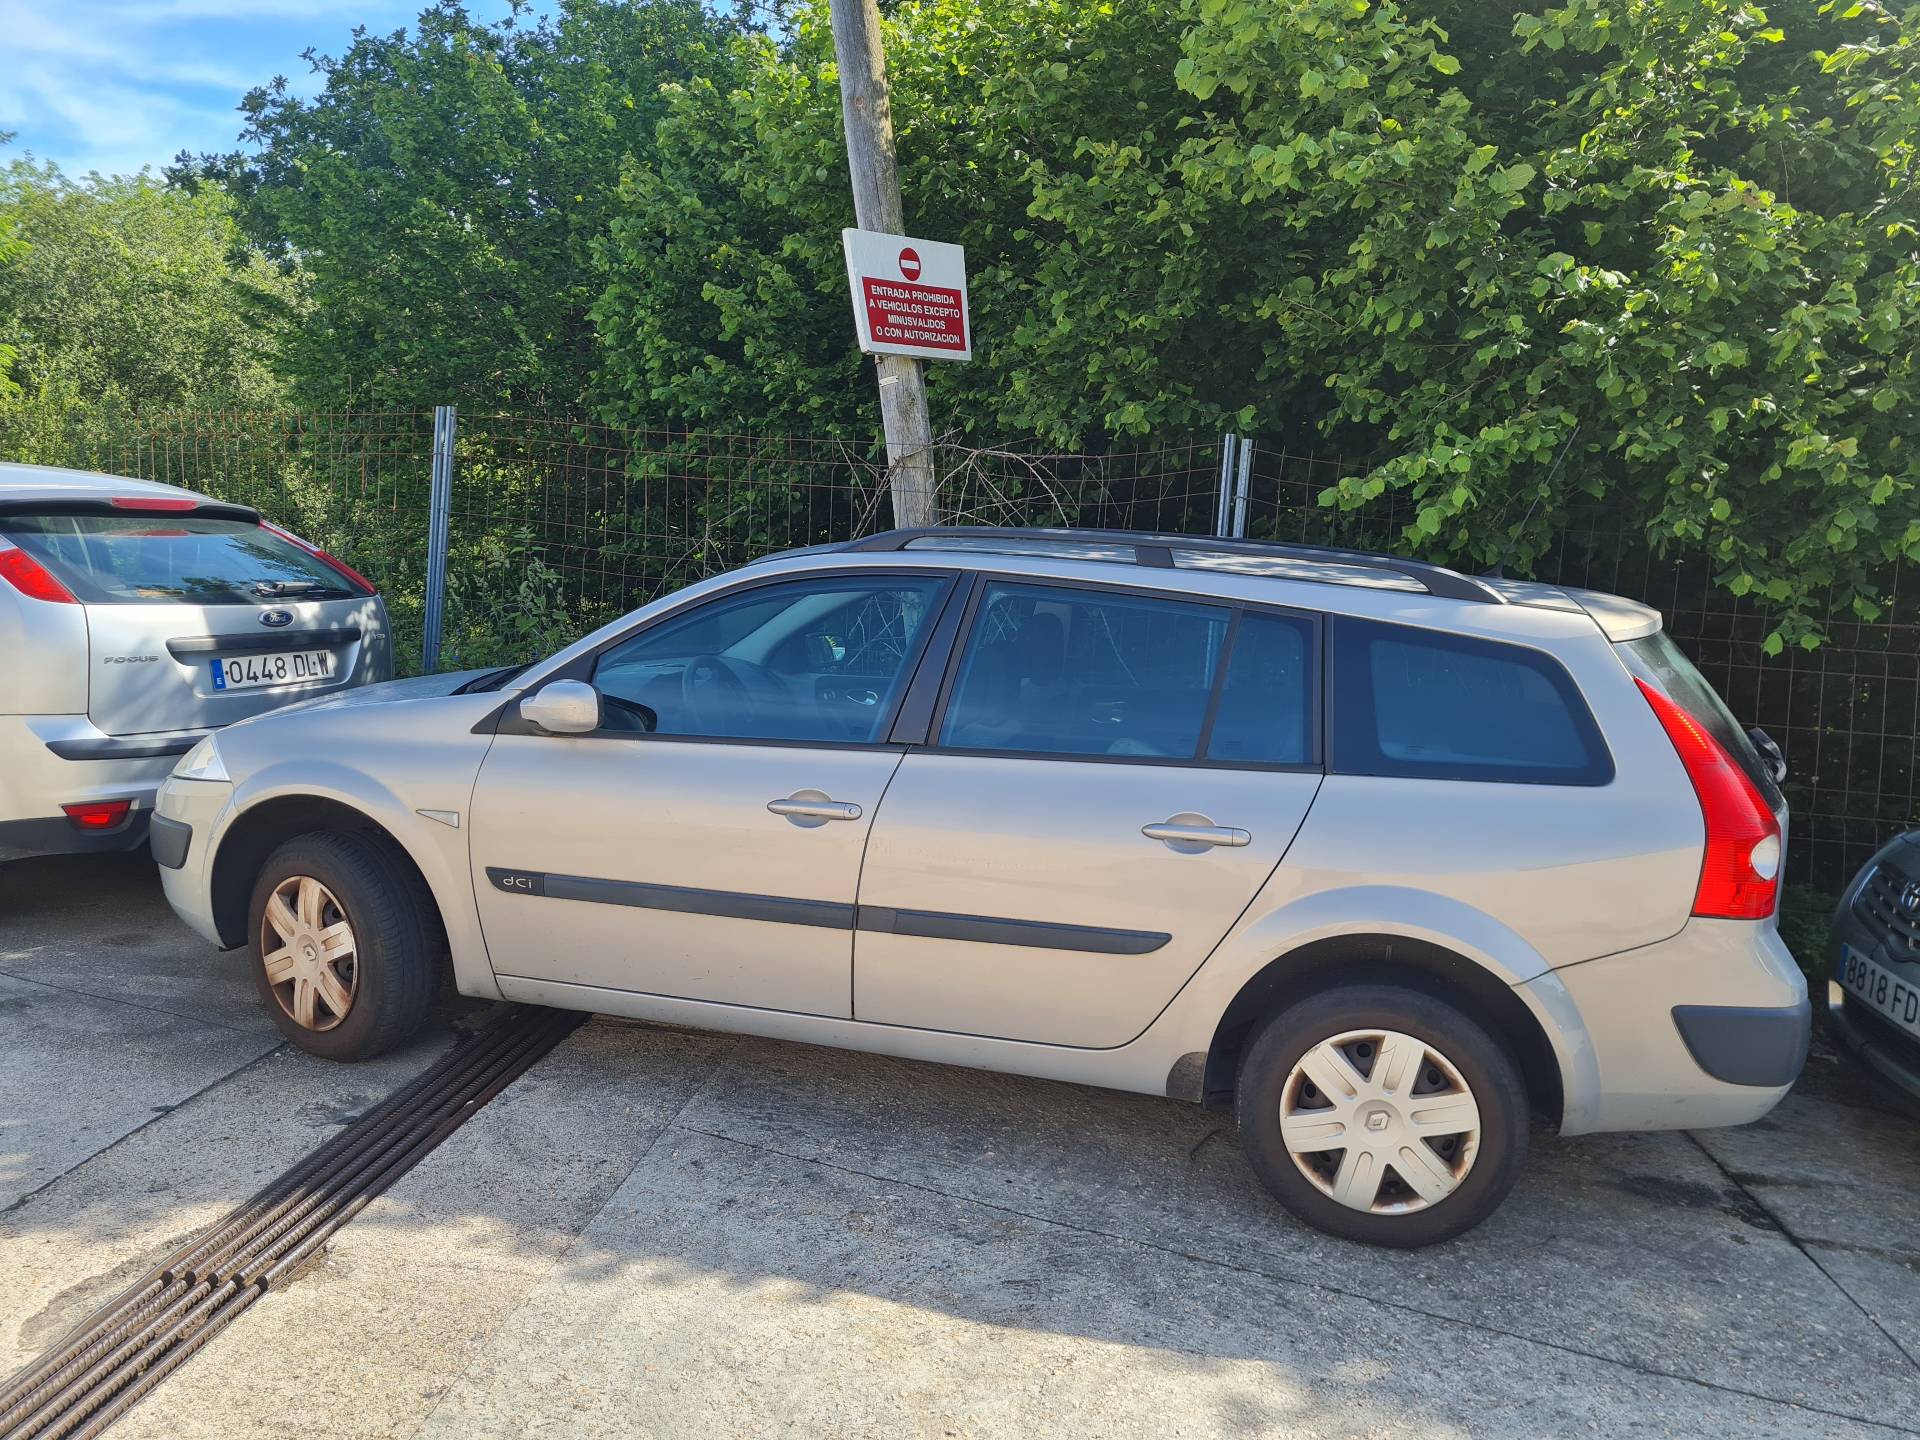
pixel 556 527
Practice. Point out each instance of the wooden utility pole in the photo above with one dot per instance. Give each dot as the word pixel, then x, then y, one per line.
pixel 868 117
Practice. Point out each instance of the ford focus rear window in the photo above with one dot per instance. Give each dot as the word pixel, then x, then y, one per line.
pixel 172 560
pixel 1422 704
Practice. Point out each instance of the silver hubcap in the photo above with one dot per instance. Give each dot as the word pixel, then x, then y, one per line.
pixel 1380 1121
pixel 307 947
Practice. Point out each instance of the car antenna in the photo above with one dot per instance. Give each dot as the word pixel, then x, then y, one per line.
pixel 1499 570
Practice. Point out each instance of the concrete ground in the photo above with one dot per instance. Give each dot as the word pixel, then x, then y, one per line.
pixel 659 1233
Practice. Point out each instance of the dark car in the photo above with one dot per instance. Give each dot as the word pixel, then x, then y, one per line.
pixel 1874 996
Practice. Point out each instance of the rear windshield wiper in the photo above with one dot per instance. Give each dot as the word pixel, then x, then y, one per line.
pixel 273 589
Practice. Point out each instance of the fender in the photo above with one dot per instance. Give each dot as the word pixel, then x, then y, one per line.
pixel 1269 932
pixel 438 850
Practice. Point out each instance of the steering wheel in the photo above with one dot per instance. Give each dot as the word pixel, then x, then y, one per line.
pixel 709 685
pixel 628 715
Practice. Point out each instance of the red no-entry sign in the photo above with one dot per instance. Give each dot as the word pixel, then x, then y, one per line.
pixel 908 298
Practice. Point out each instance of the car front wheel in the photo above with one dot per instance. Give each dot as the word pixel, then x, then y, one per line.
pixel 1383 1115
pixel 343 952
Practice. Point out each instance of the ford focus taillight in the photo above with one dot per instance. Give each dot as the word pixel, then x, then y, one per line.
pixel 1740 875
pixel 30 577
pixel 361 583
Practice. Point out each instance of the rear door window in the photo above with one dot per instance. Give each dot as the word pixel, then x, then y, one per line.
pixel 1066 671
pixel 1424 704
pixel 137 559
pixel 1265 714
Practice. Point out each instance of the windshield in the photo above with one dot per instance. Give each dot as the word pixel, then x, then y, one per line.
pixel 138 559
pixel 1657 659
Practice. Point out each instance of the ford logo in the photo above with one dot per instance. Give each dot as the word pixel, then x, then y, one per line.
pixel 1910 900
pixel 276 618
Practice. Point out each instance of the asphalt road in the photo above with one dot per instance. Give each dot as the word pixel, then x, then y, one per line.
pixel 663 1233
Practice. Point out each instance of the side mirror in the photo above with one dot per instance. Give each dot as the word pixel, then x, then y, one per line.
pixel 563 707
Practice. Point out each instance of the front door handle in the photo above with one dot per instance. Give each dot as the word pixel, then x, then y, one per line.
pixel 1195 832
pixel 814 805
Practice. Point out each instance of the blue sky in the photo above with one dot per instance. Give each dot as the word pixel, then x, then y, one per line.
pixel 112 85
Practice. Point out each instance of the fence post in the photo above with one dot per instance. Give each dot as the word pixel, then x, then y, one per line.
pixel 1242 487
pixel 1223 509
pixel 439 514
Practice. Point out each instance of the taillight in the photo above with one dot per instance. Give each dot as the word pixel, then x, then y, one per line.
pixel 340 566
pixel 30 577
pixel 1740 876
pixel 95 815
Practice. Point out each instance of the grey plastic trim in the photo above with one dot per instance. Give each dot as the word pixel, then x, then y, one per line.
pixel 169 841
pixel 828 914
pixel 1745 1044
pixel 113 747
pixel 992 930
pixel 266 643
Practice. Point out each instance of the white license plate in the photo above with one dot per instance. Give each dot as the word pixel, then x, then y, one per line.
pixel 257 672
pixel 1880 989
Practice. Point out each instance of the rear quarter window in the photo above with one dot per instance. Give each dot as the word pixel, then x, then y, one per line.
pixel 1423 704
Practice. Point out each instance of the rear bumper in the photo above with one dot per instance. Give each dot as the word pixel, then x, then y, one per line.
pixel 1707 1028
pixel 47 761
pixel 57 836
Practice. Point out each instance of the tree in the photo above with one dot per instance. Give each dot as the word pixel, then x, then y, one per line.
pixel 443 192
pixel 119 294
pixel 1453 237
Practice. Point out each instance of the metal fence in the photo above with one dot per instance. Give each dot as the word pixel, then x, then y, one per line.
pixel 538 530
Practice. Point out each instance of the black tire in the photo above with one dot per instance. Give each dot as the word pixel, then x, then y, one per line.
pixel 1489 1072
pixel 398 949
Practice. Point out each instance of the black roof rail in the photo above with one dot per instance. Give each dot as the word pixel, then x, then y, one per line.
pixel 1155 549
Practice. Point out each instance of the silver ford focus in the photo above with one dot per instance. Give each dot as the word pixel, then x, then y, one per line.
pixel 136 617
pixel 1385 858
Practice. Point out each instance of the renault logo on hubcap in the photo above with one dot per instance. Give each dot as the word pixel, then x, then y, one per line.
pixel 1377 1120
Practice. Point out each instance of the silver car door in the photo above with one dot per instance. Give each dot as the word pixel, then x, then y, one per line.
pixel 1112 779
pixel 705 843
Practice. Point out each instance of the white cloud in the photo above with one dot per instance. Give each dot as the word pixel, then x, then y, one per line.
pixel 117 84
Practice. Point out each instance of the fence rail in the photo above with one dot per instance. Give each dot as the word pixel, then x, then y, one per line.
pixel 553 527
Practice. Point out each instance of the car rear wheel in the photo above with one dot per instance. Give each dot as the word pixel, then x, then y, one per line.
pixel 1383 1115
pixel 343 950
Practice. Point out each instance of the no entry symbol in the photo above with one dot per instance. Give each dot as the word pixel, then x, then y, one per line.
pixel 910 263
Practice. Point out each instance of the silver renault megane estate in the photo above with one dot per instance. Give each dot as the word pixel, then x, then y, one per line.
pixel 1387 858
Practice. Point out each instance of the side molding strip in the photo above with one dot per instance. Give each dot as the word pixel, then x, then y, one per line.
pixel 990 930
pixel 732 904
pixel 782 910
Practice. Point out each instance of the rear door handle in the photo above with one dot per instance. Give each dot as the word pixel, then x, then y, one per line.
pixel 1183 831
pixel 811 805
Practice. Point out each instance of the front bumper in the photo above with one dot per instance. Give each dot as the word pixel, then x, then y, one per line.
pixel 196 808
pixel 1861 926
pixel 1707 1028
pixel 1891 1055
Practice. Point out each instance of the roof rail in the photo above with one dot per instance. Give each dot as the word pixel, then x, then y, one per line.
pixel 1155 549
